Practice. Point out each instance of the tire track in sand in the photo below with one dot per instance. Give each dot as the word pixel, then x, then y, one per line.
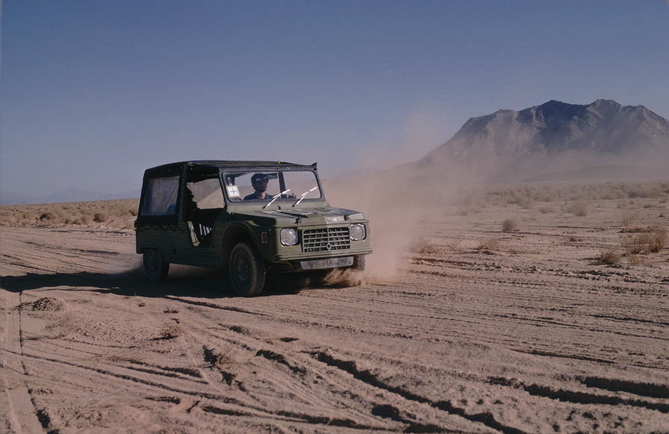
pixel 20 410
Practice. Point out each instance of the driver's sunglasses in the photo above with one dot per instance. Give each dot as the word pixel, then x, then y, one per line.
pixel 260 180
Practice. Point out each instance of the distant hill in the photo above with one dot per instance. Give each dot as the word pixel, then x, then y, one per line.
pixel 556 137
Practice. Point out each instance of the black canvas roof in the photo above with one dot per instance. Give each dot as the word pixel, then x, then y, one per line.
pixel 175 168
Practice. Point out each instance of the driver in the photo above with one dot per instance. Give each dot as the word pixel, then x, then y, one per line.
pixel 259 182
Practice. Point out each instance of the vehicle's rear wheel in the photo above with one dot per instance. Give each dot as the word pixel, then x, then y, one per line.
pixel 359 263
pixel 155 266
pixel 246 270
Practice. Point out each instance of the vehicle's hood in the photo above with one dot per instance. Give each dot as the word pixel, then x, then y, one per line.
pixel 301 217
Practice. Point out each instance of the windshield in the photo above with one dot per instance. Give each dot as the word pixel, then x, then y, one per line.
pixel 264 186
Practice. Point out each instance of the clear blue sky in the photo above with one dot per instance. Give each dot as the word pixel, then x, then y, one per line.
pixel 95 91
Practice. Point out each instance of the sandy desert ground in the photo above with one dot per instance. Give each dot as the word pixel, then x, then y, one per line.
pixel 552 323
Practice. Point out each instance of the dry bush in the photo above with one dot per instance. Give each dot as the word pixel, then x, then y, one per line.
pixel 636 260
pixel 43 304
pixel 113 212
pixel 510 225
pixel 645 191
pixel 488 244
pixel 546 209
pixel 610 256
pixel 660 239
pixel 47 215
pixel 578 208
pixel 170 331
pixel 526 203
pixel 577 192
pixel 652 241
pixel 628 218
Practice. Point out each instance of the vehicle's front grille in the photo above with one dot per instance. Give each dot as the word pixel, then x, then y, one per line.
pixel 323 240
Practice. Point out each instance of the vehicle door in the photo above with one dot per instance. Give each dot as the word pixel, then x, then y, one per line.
pixel 200 206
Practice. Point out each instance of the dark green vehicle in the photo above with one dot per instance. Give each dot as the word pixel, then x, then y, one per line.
pixel 246 217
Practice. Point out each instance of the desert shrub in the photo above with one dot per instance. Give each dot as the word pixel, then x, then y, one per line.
pixel 546 209
pixel 645 191
pixel 635 244
pixel 51 216
pixel 509 225
pixel 610 256
pixel 660 239
pixel 488 244
pixel 47 215
pixel 635 260
pixel 132 211
pixel 170 331
pixel 647 242
pixel 526 203
pixel 628 219
pixel 578 208
pixel 100 217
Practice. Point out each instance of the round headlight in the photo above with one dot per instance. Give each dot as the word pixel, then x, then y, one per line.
pixel 358 232
pixel 288 237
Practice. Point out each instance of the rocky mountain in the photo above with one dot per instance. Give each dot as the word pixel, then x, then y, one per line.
pixel 601 132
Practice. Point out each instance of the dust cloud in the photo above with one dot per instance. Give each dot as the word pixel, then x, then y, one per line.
pixel 399 199
pixel 395 195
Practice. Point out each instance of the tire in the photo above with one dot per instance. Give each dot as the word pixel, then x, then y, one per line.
pixel 246 270
pixel 359 263
pixel 155 267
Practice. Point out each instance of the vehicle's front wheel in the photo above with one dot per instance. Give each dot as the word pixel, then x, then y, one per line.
pixel 155 267
pixel 359 263
pixel 246 270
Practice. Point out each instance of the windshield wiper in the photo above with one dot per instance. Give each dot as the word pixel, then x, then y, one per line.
pixel 275 198
pixel 303 196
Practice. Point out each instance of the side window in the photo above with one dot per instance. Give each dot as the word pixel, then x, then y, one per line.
pixel 207 193
pixel 160 197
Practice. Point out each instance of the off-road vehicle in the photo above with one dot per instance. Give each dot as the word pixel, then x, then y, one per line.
pixel 247 217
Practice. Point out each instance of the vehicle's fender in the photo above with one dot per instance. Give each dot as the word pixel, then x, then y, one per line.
pixel 234 234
